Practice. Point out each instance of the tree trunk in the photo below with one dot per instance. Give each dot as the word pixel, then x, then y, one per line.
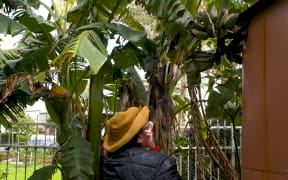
pixel 217 155
pixel 162 111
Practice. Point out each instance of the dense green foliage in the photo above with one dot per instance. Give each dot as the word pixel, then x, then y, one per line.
pixel 61 57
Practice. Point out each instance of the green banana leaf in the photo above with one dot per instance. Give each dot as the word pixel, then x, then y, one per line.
pixel 217 99
pixel 76 15
pixel 77 81
pixel 87 45
pixel 44 173
pixel 9 26
pixel 126 56
pixel 138 38
pixel 34 23
pixel 35 60
pixel 75 155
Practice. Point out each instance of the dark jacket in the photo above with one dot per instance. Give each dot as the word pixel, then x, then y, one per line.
pixel 140 164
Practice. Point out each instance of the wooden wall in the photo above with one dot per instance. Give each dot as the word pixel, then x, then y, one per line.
pixel 265 96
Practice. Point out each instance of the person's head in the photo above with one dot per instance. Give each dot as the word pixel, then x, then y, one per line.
pixel 129 128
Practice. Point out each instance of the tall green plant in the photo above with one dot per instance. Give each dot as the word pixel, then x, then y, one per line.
pixel 59 55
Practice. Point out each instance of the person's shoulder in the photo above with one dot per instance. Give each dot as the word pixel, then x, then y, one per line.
pixel 144 156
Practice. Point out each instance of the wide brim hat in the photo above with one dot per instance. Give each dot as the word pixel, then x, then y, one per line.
pixel 123 126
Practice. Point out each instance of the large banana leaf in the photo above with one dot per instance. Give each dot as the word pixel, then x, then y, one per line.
pixel 172 12
pixel 87 45
pixel 174 18
pixel 9 26
pixel 33 22
pixel 35 60
pixel 78 81
pixel 44 173
pixel 126 56
pixel 75 155
pixel 128 33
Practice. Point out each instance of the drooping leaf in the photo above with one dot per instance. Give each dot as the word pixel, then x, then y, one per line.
pixel 96 55
pixel 93 26
pixel 126 32
pixel 44 173
pixel 172 13
pixel 34 23
pixel 9 26
pixel 34 61
pixel 138 38
pixel 126 56
pixel 16 81
pixel 76 157
pixel 217 98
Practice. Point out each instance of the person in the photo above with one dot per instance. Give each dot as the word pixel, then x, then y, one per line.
pixel 129 143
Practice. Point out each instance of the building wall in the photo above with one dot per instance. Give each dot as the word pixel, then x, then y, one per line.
pixel 265 96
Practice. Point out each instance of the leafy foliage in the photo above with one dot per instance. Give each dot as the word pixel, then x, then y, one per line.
pixel 9 54
pixel 87 45
pixel 9 26
pixel 44 173
pixel 60 53
pixel 75 154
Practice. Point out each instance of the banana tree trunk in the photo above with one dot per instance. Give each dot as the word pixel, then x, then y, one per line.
pixel 95 120
pixel 162 111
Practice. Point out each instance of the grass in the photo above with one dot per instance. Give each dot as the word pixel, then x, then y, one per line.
pixel 19 173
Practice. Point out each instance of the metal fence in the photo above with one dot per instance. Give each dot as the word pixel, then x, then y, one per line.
pixel 23 149
pixel 188 158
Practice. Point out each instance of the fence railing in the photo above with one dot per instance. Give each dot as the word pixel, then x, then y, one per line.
pixel 189 157
pixel 23 150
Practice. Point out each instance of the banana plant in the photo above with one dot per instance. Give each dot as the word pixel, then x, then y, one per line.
pixel 59 55
pixel 57 68
pixel 184 30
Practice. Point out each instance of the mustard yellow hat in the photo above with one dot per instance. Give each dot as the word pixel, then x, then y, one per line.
pixel 123 126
